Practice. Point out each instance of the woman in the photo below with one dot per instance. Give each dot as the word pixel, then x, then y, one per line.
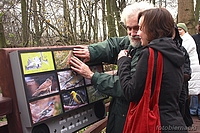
pixel 156 28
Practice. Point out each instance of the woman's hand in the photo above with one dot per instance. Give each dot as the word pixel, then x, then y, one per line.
pixel 82 52
pixel 81 68
pixel 122 53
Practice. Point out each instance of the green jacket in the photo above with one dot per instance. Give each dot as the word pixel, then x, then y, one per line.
pixel 107 51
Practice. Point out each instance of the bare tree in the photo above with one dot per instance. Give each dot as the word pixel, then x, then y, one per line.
pixel 24 22
pixel 197 10
pixel 118 7
pixel 65 22
pixel 2 36
pixel 186 14
pixel 110 18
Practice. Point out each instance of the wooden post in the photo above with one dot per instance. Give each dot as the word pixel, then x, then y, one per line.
pixel 8 90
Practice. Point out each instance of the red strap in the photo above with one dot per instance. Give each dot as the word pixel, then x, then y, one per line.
pixel 156 94
pixel 147 92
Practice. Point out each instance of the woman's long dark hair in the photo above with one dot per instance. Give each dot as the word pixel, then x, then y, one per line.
pixel 177 37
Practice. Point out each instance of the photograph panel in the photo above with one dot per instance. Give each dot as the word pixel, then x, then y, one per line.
pixel 74 99
pixel 62 58
pixel 40 85
pixel 94 94
pixel 69 79
pixel 45 108
pixel 34 62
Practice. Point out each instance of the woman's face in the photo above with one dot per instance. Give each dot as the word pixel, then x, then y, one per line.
pixel 181 31
pixel 141 32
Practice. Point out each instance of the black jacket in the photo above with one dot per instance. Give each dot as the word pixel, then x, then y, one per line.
pixel 171 85
pixel 196 38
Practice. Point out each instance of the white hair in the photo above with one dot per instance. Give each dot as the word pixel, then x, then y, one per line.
pixel 133 10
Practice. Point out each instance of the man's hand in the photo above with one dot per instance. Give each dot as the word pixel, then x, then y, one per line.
pixel 82 52
pixel 81 68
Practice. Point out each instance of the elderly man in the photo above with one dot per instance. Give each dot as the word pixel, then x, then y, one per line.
pixel 107 51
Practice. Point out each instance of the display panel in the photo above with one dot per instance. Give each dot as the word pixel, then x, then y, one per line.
pixel 45 108
pixel 62 58
pixel 94 95
pixel 34 62
pixel 73 99
pixel 51 87
pixel 69 79
pixel 41 84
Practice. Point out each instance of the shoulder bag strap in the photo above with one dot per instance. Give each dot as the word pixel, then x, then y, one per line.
pixel 159 69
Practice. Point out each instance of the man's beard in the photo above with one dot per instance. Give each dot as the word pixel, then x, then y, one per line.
pixel 135 41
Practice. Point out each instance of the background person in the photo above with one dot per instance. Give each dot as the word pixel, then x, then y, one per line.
pixel 184 97
pixel 159 37
pixel 196 38
pixel 107 51
pixel 194 83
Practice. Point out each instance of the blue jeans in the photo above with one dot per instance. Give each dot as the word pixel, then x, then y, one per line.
pixel 194 105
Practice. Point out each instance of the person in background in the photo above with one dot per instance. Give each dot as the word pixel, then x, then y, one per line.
pixel 184 97
pixel 194 83
pixel 159 37
pixel 196 38
pixel 107 51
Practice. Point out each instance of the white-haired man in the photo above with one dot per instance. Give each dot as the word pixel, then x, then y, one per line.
pixel 107 51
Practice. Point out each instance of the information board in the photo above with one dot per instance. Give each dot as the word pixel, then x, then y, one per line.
pixel 48 89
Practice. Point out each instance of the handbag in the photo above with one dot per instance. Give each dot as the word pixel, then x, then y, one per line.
pixel 144 116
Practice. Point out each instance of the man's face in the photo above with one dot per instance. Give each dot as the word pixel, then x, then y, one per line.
pixel 132 28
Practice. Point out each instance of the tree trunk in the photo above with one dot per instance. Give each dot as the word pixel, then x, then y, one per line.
pixel 118 10
pixel 96 21
pixel 67 24
pixel 104 19
pixel 110 19
pixel 197 10
pixel 81 36
pixel 186 14
pixel 24 22
pixel 2 36
pixel 36 24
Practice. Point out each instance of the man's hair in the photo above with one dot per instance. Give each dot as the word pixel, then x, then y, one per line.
pixel 133 10
pixel 157 23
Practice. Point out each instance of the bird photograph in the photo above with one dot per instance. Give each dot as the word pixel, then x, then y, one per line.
pixel 45 108
pixel 69 79
pixel 74 99
pixel 37 61
pixel 94 94
pixel 41 84
pixel 45 87
pixel 62 58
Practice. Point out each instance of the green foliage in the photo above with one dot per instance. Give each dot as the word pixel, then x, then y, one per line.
pixel 8 42
pixel 11 35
